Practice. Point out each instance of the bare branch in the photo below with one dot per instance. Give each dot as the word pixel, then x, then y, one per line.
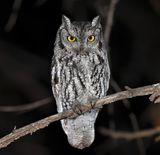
pixel 26 107
pixel 40 2
pixel 109 21
pixel 14 15
pixel 31 128
pixel 117 88
pixel 129 135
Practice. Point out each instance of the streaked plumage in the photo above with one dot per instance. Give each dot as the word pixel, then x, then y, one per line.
pixel 80 72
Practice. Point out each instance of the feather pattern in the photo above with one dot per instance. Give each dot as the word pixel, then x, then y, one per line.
pixel 80 72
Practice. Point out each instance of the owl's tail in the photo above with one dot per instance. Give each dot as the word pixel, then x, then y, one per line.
pixel 80 131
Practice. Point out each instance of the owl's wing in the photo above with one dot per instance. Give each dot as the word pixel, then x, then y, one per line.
pixel 107 69
pixel 56 86
pixel 54 78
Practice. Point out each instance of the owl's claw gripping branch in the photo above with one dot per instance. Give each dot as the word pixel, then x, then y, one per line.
pixel 76 107
pixel 92 101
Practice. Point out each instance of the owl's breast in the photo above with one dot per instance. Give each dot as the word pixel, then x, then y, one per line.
pixel 80 78
pixel 90 71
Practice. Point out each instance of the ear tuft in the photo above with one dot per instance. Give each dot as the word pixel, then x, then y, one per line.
pixel 66 21
pixel 96 21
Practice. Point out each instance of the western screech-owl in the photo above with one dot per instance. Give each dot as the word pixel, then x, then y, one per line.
pixel 80 72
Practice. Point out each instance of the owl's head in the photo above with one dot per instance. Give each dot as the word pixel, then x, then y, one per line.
pixel 80 36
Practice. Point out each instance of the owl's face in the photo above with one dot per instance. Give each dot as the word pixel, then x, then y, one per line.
pixel 80 37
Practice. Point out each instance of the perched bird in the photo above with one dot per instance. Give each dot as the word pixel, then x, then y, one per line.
pixel 80 73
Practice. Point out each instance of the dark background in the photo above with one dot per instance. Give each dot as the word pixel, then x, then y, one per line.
pixel 25 58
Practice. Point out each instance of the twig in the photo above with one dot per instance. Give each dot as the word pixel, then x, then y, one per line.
pixel 29 129
pixel 117 88
pixel 109 21
pixel 14 15
pixel 40 2
pixel 26 107
pixel 130 135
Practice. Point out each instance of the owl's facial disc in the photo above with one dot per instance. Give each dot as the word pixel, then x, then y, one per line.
pixel 80 37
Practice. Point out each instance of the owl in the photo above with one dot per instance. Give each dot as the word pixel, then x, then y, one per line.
pixel 80 73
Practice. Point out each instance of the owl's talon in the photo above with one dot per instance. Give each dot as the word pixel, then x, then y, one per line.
pixel 92 101
pixel 76 107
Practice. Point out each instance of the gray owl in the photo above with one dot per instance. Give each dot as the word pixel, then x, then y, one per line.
pixel 80 73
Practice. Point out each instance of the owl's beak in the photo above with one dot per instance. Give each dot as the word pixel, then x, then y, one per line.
pixel 81 49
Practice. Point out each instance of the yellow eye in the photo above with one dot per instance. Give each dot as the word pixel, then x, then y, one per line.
pixel 71 39
pixel 91 38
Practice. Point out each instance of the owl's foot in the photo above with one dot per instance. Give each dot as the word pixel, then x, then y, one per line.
pixel 76 107
pixel 92 101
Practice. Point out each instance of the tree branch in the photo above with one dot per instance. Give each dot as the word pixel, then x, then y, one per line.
pixel 33 127
pixel 26 107
pixel 14 15
pixel 109 21
pixel 129 135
